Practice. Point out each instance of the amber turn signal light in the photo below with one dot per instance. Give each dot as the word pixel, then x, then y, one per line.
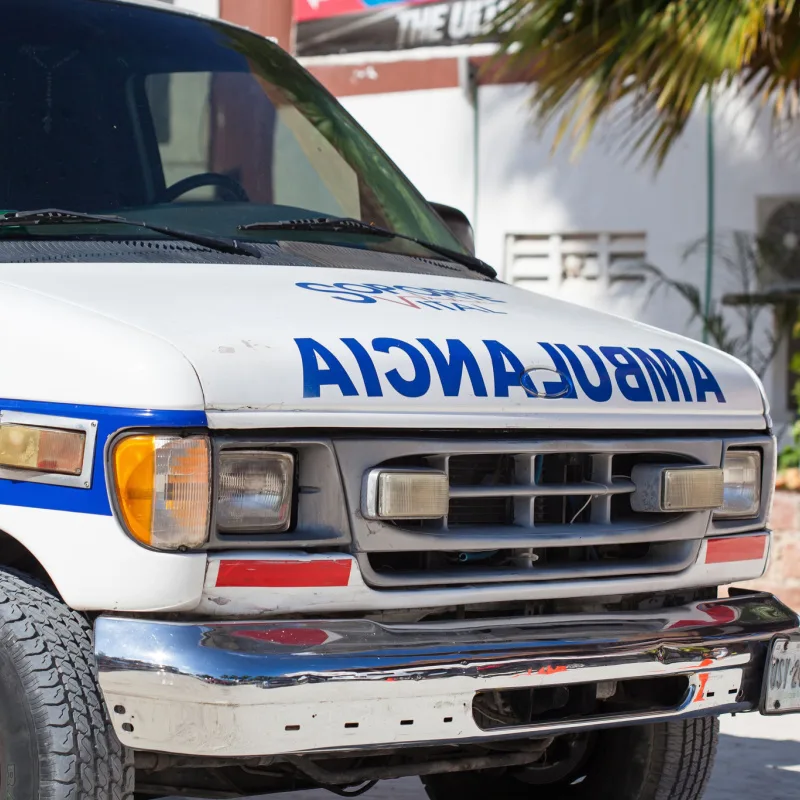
pixel 163 488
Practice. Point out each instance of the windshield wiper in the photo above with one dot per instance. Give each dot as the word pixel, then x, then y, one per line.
pixel 348 225
pixel 56 216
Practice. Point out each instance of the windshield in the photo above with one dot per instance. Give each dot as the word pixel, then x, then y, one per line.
pixel 119 108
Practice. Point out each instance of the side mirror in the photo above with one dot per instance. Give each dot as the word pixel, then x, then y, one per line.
pixel 459 225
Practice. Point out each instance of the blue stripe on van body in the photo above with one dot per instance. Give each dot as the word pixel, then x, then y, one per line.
pixel 110 420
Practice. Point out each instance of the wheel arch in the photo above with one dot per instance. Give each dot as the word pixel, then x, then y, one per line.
pixel 94 565
pixel 16 557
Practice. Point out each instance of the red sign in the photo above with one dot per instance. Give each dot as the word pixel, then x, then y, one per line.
pixel 322 9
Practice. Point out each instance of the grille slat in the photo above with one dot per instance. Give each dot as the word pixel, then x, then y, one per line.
pixel 490 537
pixel 602 472
pixel 536 490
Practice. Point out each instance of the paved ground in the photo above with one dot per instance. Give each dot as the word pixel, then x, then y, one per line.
pixel 759 759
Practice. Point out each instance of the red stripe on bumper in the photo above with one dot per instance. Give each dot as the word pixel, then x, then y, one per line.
pixel 736 548
pixel 284 574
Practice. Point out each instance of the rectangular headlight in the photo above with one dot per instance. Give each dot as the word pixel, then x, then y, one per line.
pixel 676 488
pixel 742 484
pixel 406 494
pixel 255 492
pixel 692 489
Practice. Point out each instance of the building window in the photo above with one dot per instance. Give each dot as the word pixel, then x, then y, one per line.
pixel 533 260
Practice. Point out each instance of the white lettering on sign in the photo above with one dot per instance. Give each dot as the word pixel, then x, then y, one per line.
pixel 431 24
pixel 466 19
pixel 421 25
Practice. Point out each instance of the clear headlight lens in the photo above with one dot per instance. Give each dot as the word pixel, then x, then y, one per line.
pixel 742 484
pixel 255 492
pixel 406 494
pixel 689 489
pixel 163 488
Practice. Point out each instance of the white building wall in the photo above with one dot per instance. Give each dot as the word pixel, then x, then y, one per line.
pixel 429 135
pixel 523 189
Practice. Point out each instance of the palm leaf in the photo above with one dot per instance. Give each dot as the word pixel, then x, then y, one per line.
pixel 739 330
pixel 655 57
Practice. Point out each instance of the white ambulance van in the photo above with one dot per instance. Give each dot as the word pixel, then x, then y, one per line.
pixel 295 493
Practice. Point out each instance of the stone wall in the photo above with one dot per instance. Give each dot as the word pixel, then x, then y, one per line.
pixel 782 577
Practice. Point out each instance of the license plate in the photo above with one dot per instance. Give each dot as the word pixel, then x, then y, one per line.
pixel 782 677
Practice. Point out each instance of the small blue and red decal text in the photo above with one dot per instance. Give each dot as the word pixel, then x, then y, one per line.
pixel 419 298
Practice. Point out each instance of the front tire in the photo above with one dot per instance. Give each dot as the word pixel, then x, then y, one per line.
pixel 56 742
pixel 662 761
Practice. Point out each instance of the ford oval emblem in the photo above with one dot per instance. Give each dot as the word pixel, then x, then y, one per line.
pixel 531 389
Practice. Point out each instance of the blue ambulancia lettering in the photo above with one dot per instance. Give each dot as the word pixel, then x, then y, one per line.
pixel 331 373
pixel 372 382
pixel 414 368
pixel 601 391
pixel 420 382
pixel 704 381
pixel 563 388
pixel 509 371
pixel 451 367
pixel 628 374
pixel 664 373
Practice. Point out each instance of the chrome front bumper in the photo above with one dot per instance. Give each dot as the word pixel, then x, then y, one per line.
pixel 271 688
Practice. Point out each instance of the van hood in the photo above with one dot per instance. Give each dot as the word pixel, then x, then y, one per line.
pixel 320 347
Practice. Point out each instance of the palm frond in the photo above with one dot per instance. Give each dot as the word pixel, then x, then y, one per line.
pixel 655 57
pixel 751 331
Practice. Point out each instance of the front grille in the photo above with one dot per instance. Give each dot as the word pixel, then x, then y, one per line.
pixel 538 490
pixel 529 511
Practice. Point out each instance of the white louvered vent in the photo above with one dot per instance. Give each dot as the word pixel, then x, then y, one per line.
pixel 545 262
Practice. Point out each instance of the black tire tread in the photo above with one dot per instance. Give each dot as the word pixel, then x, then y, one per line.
pixel 80 757
pixel 663 761
pixel 682 759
